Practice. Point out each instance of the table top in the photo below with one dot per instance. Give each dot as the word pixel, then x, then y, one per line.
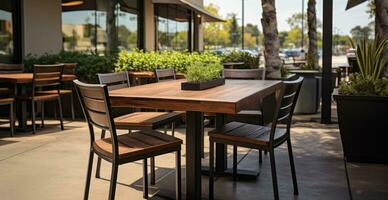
pixel 20 78
pixel 232 97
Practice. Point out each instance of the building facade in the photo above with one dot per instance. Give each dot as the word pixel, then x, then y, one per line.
pixel 50 26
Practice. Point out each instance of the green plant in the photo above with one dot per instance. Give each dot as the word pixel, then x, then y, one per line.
pixel 89 64
pixel 250 62
pixel 200 72
pixel 138 60
pixel 371 62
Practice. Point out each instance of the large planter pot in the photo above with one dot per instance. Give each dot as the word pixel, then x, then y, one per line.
pixel 363 127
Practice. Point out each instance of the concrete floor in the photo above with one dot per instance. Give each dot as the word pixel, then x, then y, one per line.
pixel 52 165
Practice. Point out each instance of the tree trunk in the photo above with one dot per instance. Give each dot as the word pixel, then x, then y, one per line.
pixel 273 62
pixel 312 55
pixel 111 29
pixel 381 18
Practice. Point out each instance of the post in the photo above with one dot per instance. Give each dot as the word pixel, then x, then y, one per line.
pixel 302 40
pixel 242 24
pixel 327 61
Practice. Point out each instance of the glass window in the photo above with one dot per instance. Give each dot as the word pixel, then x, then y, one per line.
pixel 172 27
pixel 84 26
pixel 6 31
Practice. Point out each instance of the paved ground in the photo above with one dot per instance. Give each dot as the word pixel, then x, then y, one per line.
pixel 52 165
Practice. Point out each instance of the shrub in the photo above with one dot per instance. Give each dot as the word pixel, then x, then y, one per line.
pixel 250 62
pixel 358 85
pixel 201 72
pixel 89 64
pixel 148 61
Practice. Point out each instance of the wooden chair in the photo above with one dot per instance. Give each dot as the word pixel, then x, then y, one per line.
pixel 7 69
pixel 121 149
pixel 164 74
pixel 45 76
pixel 11 103
pixel 136 120
pixel 265 138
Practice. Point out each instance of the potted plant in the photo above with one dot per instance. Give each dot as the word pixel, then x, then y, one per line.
pixel 362 106
pixel 201 76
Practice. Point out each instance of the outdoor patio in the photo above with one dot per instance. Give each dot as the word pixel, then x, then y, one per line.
pixel 52 165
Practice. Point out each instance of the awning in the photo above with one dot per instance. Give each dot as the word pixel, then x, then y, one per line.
pixel 353 3
pixel 207 16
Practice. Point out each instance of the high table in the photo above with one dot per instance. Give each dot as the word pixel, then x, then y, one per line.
pixel 21 80
pixel 230 98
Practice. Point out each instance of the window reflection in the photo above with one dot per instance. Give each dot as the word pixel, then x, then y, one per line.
pixel 173 27
pixel 6 31
pixel 84 26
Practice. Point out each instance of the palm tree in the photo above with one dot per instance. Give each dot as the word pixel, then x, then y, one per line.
pixel 381 18
pixel 312 55
pixel 273 62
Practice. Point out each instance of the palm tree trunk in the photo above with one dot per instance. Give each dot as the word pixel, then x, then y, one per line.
pixel 273 62
pixel 111 29
pixel 382 23
pixel 312 55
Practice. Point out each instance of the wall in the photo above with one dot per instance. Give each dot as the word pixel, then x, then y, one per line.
pixel 149 25
pixel 42 32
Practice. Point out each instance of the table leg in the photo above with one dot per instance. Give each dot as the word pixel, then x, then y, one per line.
pixel 221 149
pixel 193 154
pixel 22 113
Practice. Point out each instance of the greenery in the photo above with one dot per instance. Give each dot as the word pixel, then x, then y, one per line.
pixel 250 62
pixel 200 72
pixel 138 60
pixel 89 64
pixel 371 62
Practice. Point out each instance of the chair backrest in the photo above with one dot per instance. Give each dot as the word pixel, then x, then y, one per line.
pixel 11 68
pixel 114 81
pixel 47 75
pixel 96 106
pixel 164 74
pixel 285 105
pixel 242 73
pixel 69 68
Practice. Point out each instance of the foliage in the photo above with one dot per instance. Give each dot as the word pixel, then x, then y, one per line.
pixel 359 33
pixel 89 64
pixel 250 62
pixel 200 72
pixel 148 61
pixel 234 31
pixel 371 62
pixel 368 86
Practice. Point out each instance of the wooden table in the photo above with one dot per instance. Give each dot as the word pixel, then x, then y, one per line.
pixel 230 98
pixel 22 80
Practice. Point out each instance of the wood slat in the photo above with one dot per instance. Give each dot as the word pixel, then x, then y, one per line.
pixel 165 74
pixel 23 78
pixel 94 104
pixel 100 119
pixel 242 73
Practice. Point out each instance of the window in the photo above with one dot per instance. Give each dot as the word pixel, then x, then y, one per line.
pixel 173 27
pixel 84 26
pixel 7 12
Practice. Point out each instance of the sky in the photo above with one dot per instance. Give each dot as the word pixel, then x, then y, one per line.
pixel 343 21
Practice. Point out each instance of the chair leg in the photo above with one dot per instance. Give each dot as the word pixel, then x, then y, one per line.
pixel 165 129
pixel 173 129
pixel 274 177
pixel 260 156
pixel 42 115
pixel 178 175
pixel 291 156
pixel 12 119
pixel 88 175
pixel 33 117
pixel 234 163
pixel 72 106
pixel 145 179
pixel 153 177
pixel 211 170
pixel 113 180
pixel 60 113
pixel 99 159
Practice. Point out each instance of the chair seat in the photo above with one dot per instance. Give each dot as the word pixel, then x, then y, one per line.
pixel 145 143
pixel 149 120
pixel 55 92
pixel 248 135
pixel 4 101
pixel 38 97
pixel 5 91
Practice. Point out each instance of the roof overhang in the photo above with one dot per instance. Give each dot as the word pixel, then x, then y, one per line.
pixel 353 3
pixel 207 16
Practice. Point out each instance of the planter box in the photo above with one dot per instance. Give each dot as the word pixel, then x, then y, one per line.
pixel 363 127
pixel 202 85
